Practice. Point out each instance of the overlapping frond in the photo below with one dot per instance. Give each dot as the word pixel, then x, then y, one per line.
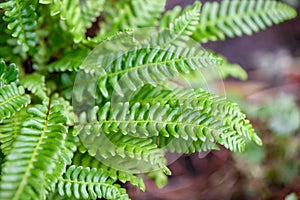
pixel 33 155
pixel 35 83
pixel 85 160
pixel 78 15
pixel 21 18
pixel 179 29
pixel 87 183
pixel 234 18
pixel 123 15
pixel 12 99
pixel 233 122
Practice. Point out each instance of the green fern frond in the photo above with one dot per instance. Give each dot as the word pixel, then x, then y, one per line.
pixel 21 18
pixel 12 99
pixel 70 61
pixel 8 74
pixel 125 146
pixel 55 6
pixel 9 129
pixel 84 183
pixel 234 18
pixel 35 83
pixel 146 65
pixel 34 153
pixel 233 121
pixel 123 15
pixel 85 160
pixel 61 163
pixel 180 29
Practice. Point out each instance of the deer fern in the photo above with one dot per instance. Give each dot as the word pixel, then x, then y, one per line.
pixel 79 115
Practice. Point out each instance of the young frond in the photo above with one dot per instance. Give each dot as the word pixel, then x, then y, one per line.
pixel 34 153
pixel 21 18
pixel 8 74
pixel 234 18
pixel 12 99
pixel 87 183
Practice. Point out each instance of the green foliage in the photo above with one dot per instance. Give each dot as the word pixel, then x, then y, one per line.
pixel 100 115
pixel 21 18
pixel 234 18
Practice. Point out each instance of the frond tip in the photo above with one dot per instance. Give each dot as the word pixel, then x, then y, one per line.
pixel 234 18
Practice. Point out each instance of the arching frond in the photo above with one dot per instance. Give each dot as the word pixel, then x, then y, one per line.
pixel 33 155
pixel 12 99
pixel 84 183
pixel 234 18
pixel 233 121
pixel 146 65
pixel 21 18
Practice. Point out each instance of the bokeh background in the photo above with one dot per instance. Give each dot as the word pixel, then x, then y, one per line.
pixel 271 98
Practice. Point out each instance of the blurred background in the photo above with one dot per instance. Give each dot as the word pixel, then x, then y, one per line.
pixel 271 99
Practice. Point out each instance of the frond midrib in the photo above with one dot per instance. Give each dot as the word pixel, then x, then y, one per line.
pixel 149 64
pixel 34 154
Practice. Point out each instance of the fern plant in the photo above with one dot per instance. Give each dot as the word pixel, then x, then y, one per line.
pixel 79 119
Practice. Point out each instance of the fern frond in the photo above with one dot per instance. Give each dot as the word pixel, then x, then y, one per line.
pixel 21 18
pixel 9 129
pixel 234 18
pixel 233 121
pixel 35 83
pixel 84 183
pixel 85 160
pixel 130 14
pixel 8 74
pixel 180 29
pixel 61 163
pixel 33 155
pixel 146 65
pixel 12 99
pixel 70 61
